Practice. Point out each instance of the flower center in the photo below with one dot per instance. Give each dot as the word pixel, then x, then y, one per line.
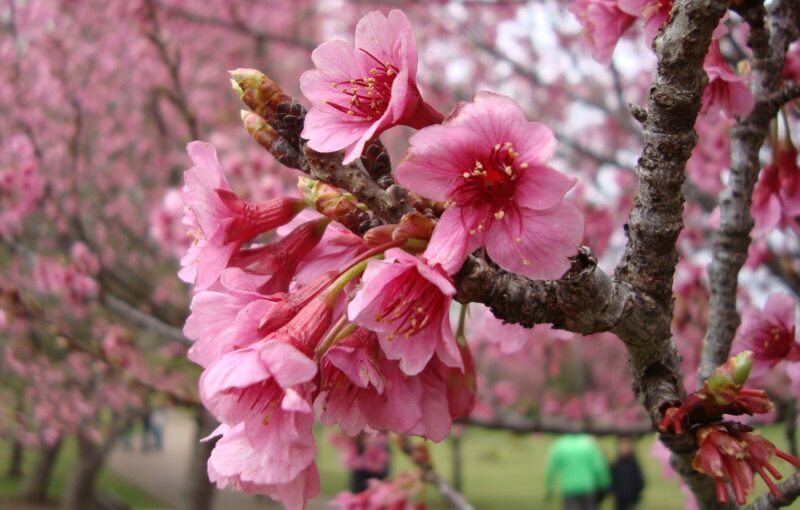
pixel 409 306
pixel 368 97
pixel 493 179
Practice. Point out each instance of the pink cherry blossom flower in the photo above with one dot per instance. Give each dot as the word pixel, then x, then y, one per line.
pixel 726 90
pixel 712 153
pixel 407 302
pixel 655 13
pixel 360 388
pixel 223 221
pixel 776 196
pixel 357 93
pixel 770 334
pixel 791 64
pixel 272 266
pixel 399 493
pixel 603 24
pixel 249 462
pixel 489 164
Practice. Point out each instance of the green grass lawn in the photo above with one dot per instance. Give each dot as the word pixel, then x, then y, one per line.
pixel 503 471
pixel 107 482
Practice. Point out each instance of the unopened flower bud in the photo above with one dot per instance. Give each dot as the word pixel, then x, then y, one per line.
pixel 330 201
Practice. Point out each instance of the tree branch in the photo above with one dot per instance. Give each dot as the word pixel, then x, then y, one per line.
pixel 790 491
pixel 769 38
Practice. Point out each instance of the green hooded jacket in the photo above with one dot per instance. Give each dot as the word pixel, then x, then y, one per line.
pixel 578 464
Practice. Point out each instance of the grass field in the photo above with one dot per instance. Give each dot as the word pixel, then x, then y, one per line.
pixel 501 471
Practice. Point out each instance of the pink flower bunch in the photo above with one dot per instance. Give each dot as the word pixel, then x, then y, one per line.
pixel 311 315
pixel 605 21
pixel 21 188
pixel 312 323
pixel 399 493
pixel 732 454
pixel 726 90
pixel 369 452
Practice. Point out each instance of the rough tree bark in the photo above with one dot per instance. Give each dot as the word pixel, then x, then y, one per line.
pixel 36 483
pixel 80 491
pixel 15 461
pixel 198 493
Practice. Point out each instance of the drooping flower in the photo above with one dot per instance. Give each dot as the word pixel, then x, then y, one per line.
pixel 489 164
pixel 732 454
pixel 726 90
pixel 246 461
pixel 770 333
pixel 357 93
pixel 655 13
pixel 222 222
pixel 406 302
pixel 603 24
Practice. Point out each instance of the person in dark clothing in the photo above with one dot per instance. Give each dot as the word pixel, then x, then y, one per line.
pixel 372 461
pixel 627 481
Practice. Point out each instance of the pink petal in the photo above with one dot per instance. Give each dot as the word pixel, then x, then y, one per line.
pixel 536 244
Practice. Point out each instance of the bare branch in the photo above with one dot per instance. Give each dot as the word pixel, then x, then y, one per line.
pixel 429 475
pixel 769 38
pixel 790 491
pixel 144 320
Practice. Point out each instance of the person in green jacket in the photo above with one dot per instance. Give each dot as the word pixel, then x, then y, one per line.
pixel 581 470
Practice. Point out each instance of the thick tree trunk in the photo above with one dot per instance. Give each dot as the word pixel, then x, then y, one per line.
pixel 36 483
pixel 198 493
pixel 15 462
pixel 80 491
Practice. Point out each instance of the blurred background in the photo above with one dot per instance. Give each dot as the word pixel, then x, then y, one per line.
pixel 98 404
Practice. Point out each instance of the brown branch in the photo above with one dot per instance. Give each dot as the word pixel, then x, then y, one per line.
pixel 141 319
pixel 790 491
pixel 770 35
pixel 429 475
pixel 584 301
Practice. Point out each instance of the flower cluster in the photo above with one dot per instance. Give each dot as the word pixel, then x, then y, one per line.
pixel 728 451
pixel 283 331
pixel 732 453
pixel 605 21
pixel 303 309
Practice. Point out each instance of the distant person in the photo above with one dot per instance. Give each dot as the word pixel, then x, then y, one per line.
pixel 371 460
pixel 581 470
pixel 157 422
pixel 627 482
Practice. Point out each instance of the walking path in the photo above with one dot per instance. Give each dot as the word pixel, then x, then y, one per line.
pixel 163 473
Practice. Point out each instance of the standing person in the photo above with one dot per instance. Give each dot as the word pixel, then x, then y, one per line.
pixel 581 470
pixel 627 481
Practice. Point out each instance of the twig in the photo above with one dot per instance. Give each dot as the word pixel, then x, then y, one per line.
pixel 790 491
pixel 429 475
